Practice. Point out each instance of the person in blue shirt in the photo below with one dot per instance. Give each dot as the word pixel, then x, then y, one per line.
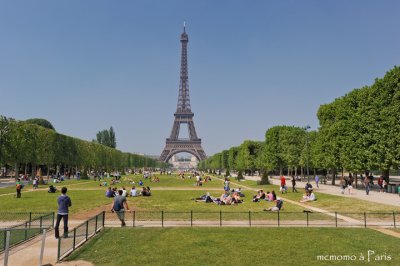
pixel 64 202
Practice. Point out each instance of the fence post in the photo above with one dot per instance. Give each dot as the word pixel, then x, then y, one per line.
pixel 394 220
pixel 87 229
pixel 59 249
pixel 191 218
pixel 279 222
pixel 365 220
pixel 42 247
pixel 249 218
pixel 220 218
pixel 95 225
pixel 26 230
pixel 162 218
pixel 41 218
pixel 52 224
pixel 30 219
pixel 134 218
pixel 336 218
pixel 7 247
pixel 73 243
pixel 104 218
pixel 5 239
pixel 307 218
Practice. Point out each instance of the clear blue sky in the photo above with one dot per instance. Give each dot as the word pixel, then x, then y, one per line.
pixel 88 65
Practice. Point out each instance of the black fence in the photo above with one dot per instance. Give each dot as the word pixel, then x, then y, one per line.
pixel 265 218
pixel 23 226
pixel 79 235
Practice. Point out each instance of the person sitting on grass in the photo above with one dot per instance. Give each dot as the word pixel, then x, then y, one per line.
pixel 133 192
pixel 308 187
pixel 110 193
pixel 269 196
pixel 278 206
pixel 236 198
pixel 310 196
pixel 145 192
pixel 260 195
pixel 226 198
pixel 239 191
pixel 52 189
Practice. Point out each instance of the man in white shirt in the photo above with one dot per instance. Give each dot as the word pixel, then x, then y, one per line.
pixel 133 192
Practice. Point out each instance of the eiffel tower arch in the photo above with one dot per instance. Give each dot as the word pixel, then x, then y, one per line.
pixel 183 115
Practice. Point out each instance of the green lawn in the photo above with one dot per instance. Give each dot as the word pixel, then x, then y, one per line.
pixel 41 201
pixel 173 194
pixel 237 246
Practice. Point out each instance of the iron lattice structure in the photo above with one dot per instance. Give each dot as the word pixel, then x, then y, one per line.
pixel 183 115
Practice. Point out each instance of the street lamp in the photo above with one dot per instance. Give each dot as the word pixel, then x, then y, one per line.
pixel 306 128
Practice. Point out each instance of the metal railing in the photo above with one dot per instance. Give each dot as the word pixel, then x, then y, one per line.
pixel 79 235
pixel 20 230
pixel 269 219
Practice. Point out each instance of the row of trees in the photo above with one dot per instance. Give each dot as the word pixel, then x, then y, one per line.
pixel 24 144
pixel 358 132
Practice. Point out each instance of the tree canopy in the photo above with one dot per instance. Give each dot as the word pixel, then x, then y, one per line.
pixel 40 122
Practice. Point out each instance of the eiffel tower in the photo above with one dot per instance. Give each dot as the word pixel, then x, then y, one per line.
pixel 183 115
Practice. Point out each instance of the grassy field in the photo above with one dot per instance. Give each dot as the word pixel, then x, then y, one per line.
pixel 237 246
pixel 171 194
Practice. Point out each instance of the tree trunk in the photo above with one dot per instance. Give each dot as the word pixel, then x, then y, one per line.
pixel 385 174
pixel 356 180
pixel 333 176
pixel 16 170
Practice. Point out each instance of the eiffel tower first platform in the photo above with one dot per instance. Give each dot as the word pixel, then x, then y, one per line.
pixel 183 115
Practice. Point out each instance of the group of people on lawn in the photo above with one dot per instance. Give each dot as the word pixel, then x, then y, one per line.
pixel 112 192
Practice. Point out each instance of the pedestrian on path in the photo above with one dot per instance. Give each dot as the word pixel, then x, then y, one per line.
pixel 283 185
pixel 317 180
pixel 64 202
pixel 294 184
pixel 366 184
pixel 350 183
pixel 119 206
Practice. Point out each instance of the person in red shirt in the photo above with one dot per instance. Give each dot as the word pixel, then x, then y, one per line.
pixel 283 184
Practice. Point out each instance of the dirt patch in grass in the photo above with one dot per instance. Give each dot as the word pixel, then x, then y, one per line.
pixel 75 263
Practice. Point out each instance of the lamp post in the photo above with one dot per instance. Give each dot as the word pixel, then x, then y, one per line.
pixel 306 128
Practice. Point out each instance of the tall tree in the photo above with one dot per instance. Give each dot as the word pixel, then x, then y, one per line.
pixel 107 138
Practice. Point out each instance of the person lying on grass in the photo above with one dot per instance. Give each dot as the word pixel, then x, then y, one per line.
pixel 225 199
pixel 309 196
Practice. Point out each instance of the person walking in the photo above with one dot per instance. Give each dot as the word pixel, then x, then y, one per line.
pixel 64 202
pixel 283 184
pixel 18 187
pixel 317 180
pixel 294 184
pixel 367 184
pixel 119 205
